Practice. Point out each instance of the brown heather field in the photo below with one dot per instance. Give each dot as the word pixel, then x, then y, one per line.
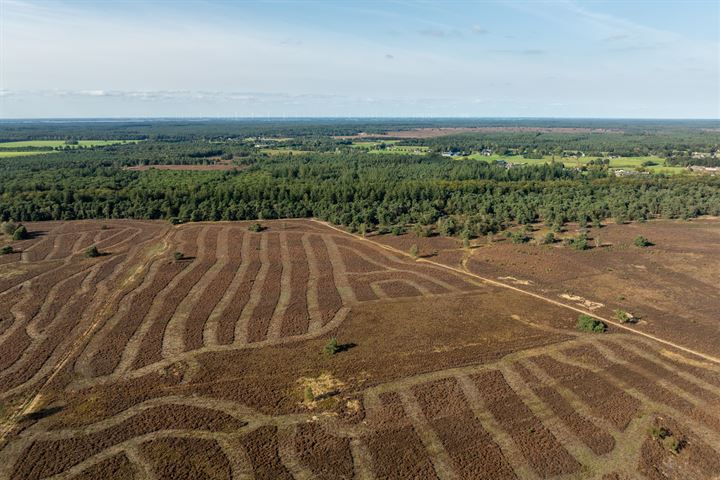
pixel 462 364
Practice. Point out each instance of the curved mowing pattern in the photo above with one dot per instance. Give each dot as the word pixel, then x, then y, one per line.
pixel 87 331
pixel 487 421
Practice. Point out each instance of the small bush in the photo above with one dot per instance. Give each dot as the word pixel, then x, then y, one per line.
pixel 668 440
pixel 586 323
pixel 673 444
pixel 331 347
pixel 92 252
pixel 308 395
pixel 641 241
pixel 9 228
pixel 397 230
pixel 548 239
pixel 579 242
pixel 624 316
pixel 256 227
pixel 178 256
pixel 21 233
pixel 6 250
pixel 414 251
pixel 660 433
pixel 519 237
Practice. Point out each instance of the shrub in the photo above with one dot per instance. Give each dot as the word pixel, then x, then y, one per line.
pixel 548 239
pixel 660 433
pixel 586 323
pixel 92 252
pixel 178 256
pixel 21 233
pixel 641 241
pixel 519 237
pixel 9 228
pixel 397 230
pixel 673 444
pixel 414 251
pixel 6 250
pixel 308 395
pixel 331 347
pixel 624 316
pixel 580 242
pixel 423 231
pixel 256 227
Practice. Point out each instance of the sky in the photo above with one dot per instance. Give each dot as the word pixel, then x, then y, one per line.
pixel 452 58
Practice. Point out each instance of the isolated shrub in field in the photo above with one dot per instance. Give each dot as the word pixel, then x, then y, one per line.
pixel 641 241
pixel 178 256
pixel 8 228
pixel 668 440
pixel 586 323
pixel 92 252
pixel 21 233
pixel 580 242
pixel 519 237
pixel 256 227
pixel 308 395
pixel 660 433
pixel 624 316
pixel 6 250
pixel 331 347
pixel 414 251
pixel 548 239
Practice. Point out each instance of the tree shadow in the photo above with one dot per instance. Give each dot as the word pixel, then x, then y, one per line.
pixel 42 413
pixel 344 347
pixel 36 234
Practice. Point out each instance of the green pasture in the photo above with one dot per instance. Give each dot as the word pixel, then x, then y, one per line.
pixel 61 143
pixel 629 163
pixel 282 151
pixel 21 154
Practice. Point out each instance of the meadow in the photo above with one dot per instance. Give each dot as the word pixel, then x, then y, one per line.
pixel 61 143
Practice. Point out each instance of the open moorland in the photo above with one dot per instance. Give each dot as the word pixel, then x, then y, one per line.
pixel 198 351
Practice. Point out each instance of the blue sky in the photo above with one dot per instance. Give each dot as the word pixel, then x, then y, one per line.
pixel 562 58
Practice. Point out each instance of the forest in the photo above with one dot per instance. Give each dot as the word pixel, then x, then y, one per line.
pixel 313 174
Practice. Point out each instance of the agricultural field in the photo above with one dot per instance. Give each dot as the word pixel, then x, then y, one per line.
pixel 62 144
pixel 7 154
pixel 204 350
pixel 391 148
pixel 629 163
pixel 7 149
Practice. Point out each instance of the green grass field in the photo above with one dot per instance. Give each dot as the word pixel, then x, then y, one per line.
pixel 61 143
pixel 282 151
pixel 21 154
pixel 622 162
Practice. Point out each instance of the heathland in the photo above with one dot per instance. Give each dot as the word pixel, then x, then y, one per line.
pixel 286 302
